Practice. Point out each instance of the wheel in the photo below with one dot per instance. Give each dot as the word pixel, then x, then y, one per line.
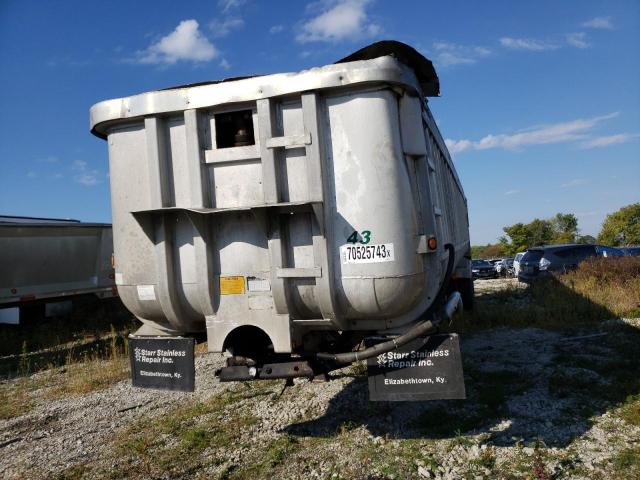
pixel 465 287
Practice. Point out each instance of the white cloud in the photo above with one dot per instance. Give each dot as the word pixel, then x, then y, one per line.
pixel 79 165
pixel 276 29
pixel 605 141
pixel 576 182
pixel 185 43
pixel 342 20
pixel 225 64
pixel 228 5
pixel 573 130
pixel 88 179
pixel 85 177
pixel 32 174
pixel 578 40
pixel 511 192
pixel 457 146
pixel 222 28
pixel 447 54
pixel 602 23
pixel 526 44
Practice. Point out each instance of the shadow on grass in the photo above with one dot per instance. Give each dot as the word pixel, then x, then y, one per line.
pixel 539 363
pixel 40 342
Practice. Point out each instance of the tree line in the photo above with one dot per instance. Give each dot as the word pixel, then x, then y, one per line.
pixel 619 228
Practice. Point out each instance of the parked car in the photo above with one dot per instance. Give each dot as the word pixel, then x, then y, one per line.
pixel 609 251
pixel 482 269
pixel 630 251
pixel 493 261
pixel 504 266
pixel 516 263
pixel 541 261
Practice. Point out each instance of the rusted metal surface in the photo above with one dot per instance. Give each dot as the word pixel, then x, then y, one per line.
pixel 269 371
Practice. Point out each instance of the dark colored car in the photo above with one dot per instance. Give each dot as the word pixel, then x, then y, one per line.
pixel 541 261
pixel 482 269
pixel 630 251
pixel 609 251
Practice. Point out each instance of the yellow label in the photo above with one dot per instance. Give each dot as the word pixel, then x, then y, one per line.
pixel 231 285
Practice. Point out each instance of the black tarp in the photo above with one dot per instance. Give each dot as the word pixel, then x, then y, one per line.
pixel 421 65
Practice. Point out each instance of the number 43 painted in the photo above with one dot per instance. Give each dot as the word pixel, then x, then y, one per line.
pixel 364 237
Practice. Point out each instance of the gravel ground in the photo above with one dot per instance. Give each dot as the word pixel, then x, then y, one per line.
pixel 491 285
pixel 534 425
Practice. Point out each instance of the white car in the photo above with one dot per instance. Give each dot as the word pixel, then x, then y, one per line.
pixel 504 266
pixel 516 263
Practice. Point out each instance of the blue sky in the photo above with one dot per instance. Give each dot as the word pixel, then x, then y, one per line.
pixel 540 100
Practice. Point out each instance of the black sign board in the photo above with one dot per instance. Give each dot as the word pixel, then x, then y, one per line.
pixel 164 363
pixel 428 368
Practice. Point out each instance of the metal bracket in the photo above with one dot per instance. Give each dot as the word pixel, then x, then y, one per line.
pixel 269 371
pixel 291 141
pixel 313 272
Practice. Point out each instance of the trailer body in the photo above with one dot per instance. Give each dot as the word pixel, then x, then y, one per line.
pixel 284 206
pixel 49 260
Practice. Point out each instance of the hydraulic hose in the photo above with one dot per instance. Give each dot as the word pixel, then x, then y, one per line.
pixel 416 331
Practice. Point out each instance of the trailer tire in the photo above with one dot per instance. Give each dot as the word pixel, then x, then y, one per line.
pixel 465 287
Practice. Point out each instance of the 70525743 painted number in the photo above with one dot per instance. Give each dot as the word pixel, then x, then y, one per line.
pixel 367 253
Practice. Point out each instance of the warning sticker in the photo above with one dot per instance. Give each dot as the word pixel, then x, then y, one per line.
pixel 231 285
pixel 146 292
pixel 255 284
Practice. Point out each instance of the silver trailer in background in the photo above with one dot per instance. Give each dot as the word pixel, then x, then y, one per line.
pixel 49 260
pixel 287 213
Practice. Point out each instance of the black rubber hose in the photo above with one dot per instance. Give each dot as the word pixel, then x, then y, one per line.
pixel 416 331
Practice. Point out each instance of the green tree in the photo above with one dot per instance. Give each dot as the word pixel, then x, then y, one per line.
pixel 586 239
pixel 524 235
pixel 518 238
pixel 495 250
pixel 476 251
pixel 565 226
pixel 562 228
pixel 622 227
pixel 488 251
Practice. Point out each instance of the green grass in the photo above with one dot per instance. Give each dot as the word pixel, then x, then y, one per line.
pixel 630 411
pixel 182 441
pixel 93 371
pixel 547 304
pixel 486 460
pixel 89 320
pixel 15 398
pixel 626 464
pixel 399 460
pixel 276 453
pixel 597 291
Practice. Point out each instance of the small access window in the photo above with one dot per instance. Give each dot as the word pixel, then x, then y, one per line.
pixel 234 129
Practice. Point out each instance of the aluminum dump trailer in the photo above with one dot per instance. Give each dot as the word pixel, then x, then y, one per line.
pixel 47 260
pixel 281 209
